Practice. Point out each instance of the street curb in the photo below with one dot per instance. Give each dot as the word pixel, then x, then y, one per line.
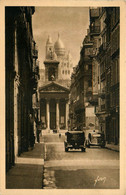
pixel 116 150
pixel 43 166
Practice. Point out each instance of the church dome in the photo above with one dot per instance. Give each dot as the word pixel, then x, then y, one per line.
pixel 59 44
pixel 59 47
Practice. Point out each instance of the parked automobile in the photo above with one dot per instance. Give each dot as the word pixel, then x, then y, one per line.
pixel 75 140
pixel 95 138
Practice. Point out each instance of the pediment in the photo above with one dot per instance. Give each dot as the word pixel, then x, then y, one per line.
pixel 53 88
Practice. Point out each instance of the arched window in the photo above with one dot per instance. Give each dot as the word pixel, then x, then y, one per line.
pixel 51 74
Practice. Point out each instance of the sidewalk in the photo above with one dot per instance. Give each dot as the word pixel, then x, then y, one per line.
pixel 28 170
pixel 113 147
pixel 50 132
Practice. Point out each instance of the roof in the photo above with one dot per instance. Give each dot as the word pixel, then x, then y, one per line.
pixel 52 87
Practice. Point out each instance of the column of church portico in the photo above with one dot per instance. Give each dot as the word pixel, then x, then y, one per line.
pixel 39 116
pixel 57 115
pixel 47 114
pixel 67 114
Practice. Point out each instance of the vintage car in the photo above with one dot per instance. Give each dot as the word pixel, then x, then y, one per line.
pixel 75 140
pixel 95 138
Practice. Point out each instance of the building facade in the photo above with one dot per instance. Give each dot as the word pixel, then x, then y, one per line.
pixel 108 60
pixel 21 81
pixel 82 112
pixel 54 90
pixel 95 80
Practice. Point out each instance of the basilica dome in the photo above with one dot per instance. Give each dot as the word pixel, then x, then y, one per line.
pixel 59 47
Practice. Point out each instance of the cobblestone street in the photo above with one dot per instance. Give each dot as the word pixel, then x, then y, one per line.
pixel 97 168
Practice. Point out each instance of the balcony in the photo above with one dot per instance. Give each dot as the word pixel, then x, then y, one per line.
pixel 35 53
pixel 93 100
pixel 34 49
pixel 34 81
pixel 94 30
pixel 94 13
pixel 36 70
pixel 102 107
pixel 34 78
pixel 102 47
pixel 101 94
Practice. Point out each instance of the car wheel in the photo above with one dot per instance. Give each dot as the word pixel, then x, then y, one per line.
pixel 87 144
pixel 66 149
pixel 83 149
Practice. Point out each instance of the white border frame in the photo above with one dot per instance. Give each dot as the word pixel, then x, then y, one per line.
pixel 70 3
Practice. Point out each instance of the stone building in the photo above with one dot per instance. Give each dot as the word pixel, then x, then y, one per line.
pixel 54 90
pixel 95 38
pixel 108 63
pixel 113 135
pixel 21 81
pixel 82 112
pixel 95 80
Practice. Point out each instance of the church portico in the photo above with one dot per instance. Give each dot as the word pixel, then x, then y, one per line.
pixel 54 107
pixel 55 115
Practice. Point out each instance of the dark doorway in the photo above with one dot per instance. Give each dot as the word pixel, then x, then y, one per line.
pixel 52 114
pixel 52 120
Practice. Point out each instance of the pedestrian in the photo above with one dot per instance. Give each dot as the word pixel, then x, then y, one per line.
pixel 32 136
pixel 59 135
pixel 32 140
pixel 38 131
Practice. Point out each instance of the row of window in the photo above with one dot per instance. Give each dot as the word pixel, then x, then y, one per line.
pixel 114 98
pixel 115 72
pixel 115 40
pixel 66 64
pixel 65 71
pixel 112 76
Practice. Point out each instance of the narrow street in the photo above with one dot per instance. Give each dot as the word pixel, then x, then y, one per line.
pixel 62 73
pixel 97 168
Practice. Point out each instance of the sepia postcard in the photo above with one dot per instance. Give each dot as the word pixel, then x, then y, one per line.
pixel 62 102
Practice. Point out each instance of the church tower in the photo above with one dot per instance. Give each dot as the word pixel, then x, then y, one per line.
pixel 49 47
pixel 51 63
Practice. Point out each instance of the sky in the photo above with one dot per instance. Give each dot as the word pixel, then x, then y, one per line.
pixel 70 22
